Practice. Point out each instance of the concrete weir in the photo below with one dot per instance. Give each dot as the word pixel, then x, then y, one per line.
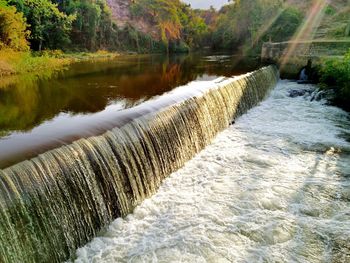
pixel 59 200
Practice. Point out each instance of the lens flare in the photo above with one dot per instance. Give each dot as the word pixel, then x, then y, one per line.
pixel 266 27
pixel 307 30
pixel 259 35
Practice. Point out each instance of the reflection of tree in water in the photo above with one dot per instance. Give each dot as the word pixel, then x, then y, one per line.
pixel 21 104
pixel 27 101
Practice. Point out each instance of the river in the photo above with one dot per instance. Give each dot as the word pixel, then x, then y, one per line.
pixel 273 187
pixel 41 113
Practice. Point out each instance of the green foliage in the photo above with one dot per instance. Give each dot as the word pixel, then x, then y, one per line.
pixel 50 28
pixel 158 10
pixel 329 10
pixel 82 25
pixel 285 26
pixel 336 73
pixel 338 24
pixel 162 14
pixel 179 47
pixel 250 23
pixel 87 25
pixel 335 23
pixel 14 62
pixel 93 28
pixel 179 26
pixel 13 32
pixel 194 27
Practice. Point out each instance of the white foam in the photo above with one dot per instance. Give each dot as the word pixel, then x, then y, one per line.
pixel 272 188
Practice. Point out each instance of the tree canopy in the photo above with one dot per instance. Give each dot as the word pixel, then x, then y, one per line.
pixel 176 21
pixel 13 28
pixel 246 22
pixel 168 25
pixel 93 27
pixel 50 28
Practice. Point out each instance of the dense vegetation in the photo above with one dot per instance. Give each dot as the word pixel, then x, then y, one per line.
pixel 81 25
pixel 247 24
pixel 88 25
pixel 335 74
pixel 13 28
pixel 67 24
pixel 49 26
pixel 180 27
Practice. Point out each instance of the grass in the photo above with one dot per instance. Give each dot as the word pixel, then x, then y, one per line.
pixel 101 54
pixel 16 63
pixel 335 74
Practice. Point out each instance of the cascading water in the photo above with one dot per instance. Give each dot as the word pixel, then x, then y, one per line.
pixel 58 201
pixel 274 187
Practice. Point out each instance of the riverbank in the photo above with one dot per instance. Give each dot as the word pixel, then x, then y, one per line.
pixel 335 75
pixel 331 73
pixel 18 63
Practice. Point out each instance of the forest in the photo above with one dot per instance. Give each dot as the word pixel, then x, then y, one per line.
pixel 88 25
pixel 174 131
pixel 156 25
pixel 34 32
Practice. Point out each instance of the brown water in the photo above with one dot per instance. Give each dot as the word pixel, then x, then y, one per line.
pixel 37 114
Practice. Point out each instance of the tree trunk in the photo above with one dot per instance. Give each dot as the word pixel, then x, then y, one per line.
pixel 40 45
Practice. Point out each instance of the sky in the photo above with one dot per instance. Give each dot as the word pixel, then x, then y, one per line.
pixel 205 4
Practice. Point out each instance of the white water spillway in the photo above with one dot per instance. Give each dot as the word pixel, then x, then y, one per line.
pixel 274 187
pixel 58 201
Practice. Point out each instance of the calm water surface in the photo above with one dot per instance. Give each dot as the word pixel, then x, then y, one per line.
pixel 37 114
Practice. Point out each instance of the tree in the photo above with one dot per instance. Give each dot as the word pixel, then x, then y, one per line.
pixel 13 28
pixel 163 14
pixel 194 26
pixel 176 21
pixel 93 27
pixel 248 23
pixel 50 28
pixel 285 26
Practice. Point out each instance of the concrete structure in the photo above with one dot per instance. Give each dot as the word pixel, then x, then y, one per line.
pixel 274 52
pixel 58 201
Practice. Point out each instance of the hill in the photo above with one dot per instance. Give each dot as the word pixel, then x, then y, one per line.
pixel 166 25
pixel 331 18
pixel 122 16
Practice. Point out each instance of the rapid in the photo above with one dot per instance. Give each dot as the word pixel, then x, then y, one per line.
pixel 273 187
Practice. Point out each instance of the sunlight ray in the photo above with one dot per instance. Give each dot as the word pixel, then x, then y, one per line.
pixel 307 29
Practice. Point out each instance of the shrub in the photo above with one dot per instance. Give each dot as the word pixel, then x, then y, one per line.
pixel 335 73
pixel 13 32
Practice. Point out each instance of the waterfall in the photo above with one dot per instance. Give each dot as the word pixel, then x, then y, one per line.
pixel 58 201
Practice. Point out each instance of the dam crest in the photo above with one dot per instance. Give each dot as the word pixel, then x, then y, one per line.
pixel 59 200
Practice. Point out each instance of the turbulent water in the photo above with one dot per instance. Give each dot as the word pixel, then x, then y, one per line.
pixel 274 187
pixel 58 201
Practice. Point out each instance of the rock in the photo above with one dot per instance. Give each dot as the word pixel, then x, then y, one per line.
pixel 120 11
pixel 299 92
pixel 122 17
pixel 322 94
